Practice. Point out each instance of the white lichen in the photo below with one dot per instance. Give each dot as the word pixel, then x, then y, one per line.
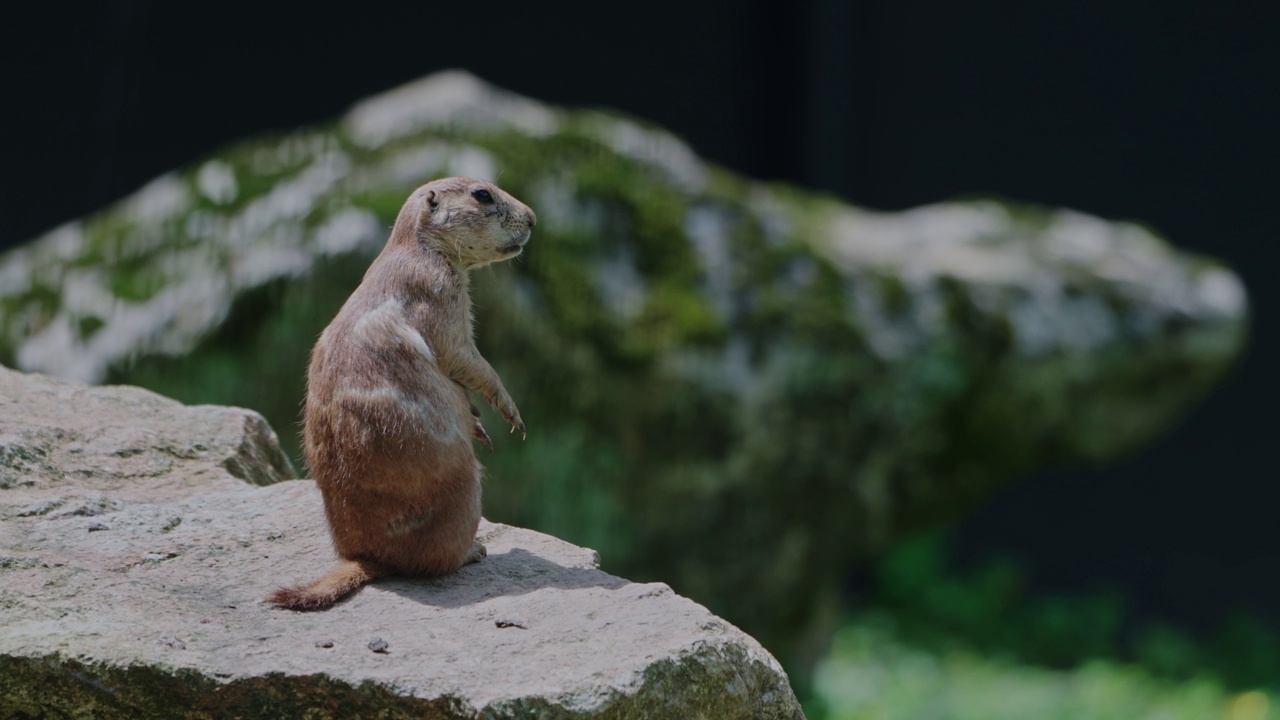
pixel 440 100
pixel 431 160
pixel 217 181
pixel 349 230
pixel 162 199
pixel 650 146
pixel 708 229
pixel 621 287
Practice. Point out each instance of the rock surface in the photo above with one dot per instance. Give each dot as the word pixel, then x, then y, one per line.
pixel 136 549
pixel 737 387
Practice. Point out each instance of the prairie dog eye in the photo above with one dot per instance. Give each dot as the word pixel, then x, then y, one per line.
pixel 483 196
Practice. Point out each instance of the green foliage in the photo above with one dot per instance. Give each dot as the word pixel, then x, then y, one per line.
pixel 931 642
pixel 989 612
pixel 1167 651
pixel 872 673
pixel 1247 652
pixel 989 609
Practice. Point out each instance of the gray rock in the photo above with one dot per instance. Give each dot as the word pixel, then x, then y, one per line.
pixel 139 537
pixel 126 442
pixel 738 387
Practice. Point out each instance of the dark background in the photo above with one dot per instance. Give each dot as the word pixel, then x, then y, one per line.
pixel 1164 112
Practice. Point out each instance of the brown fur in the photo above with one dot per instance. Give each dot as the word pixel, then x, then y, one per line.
pixel 388 420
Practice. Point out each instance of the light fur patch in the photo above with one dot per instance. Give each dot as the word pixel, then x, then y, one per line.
pixel 386 324
pixel 376 395
pixel 425 417
pixel 404 523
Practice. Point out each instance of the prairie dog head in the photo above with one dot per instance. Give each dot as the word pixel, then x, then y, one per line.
pixel 469 221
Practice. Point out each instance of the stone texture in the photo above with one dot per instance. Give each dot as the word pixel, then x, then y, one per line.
pixel 737 387
pixel 138 537
pixel 57 436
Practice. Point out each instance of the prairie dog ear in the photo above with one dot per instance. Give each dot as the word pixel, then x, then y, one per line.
pixel 430 203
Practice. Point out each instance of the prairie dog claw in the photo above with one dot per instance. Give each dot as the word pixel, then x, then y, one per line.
pixel 477 431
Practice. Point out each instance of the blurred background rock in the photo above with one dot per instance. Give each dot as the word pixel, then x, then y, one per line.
pixel 1159 113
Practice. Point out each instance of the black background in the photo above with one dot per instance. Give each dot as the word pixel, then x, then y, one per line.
pixel 1164 112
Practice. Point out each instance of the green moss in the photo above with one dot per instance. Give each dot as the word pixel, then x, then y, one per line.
pixel 25 314
pixel 559 275
pixel 62 687
pixel 88 325
pixel 819 311
pixel 55 686
pixel 135 278
pixel 893 294
pixel 674 317
pixel 22 457
pixel 41 300
pixel 640 212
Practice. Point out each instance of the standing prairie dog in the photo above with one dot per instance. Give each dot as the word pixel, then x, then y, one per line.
pixel 388 421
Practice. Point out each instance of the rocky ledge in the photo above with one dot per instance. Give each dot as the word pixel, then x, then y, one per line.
pixel 138 537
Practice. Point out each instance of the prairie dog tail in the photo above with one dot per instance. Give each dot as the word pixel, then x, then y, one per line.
pixel 349 576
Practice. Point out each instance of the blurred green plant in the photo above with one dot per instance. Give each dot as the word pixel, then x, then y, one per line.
pixel 932 641
pixel 871 673
pixel 989 608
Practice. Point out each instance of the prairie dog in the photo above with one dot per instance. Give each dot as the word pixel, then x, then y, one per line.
pixel 388 423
